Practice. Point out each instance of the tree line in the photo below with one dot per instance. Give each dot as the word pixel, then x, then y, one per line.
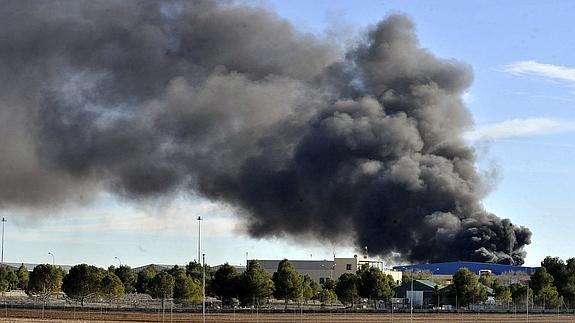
pixel 184 285
pixel 551 285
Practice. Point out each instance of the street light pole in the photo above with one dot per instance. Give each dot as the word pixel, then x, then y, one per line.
pixel 204 287
pixel 120 261
pixel 3 221
pixel 51 254
pixel 199 237
pixel 411 300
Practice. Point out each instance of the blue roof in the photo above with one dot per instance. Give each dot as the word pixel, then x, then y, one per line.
pixel 449 268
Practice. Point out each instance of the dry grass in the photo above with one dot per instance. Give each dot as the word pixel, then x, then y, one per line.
pixel 35 315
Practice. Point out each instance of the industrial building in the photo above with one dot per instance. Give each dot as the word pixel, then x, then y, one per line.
pixel 443 271
pixel 319 270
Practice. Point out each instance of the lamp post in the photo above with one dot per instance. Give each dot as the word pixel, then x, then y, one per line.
pixel 119 261
pixel 411 300
pixel 199 237
pixel 204 287
pixel 3 222
pixel 51 254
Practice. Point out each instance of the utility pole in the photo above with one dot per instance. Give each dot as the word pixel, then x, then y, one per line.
pixel 3 222
pixel 411 300
pixel 204 288
pixel 51 254
pixel 199 237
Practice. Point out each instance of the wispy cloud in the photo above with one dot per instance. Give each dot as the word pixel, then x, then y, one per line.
pixel 548 71
pixel 516 128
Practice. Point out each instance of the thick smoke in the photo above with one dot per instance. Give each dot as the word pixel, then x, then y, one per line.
pixel 148 98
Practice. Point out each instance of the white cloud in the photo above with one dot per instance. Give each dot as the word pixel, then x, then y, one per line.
pixel 533 68
pixel 177 217
pixel 520 128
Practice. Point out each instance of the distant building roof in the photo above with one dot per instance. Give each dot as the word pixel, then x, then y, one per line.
pixel 449 268
pixel 427 282
pixel 298 264
pixel 30 266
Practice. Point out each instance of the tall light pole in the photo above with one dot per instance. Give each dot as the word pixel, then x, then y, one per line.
pixel 3 222
pixel 51 254
pixel 119 261
pixel 199 237
pixel 411 300
pixel 204 287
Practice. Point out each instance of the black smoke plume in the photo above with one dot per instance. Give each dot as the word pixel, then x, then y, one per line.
pixel 147 98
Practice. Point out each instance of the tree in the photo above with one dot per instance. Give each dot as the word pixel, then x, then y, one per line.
pixel 549 296
pixel 83 281
pixel 327 296
pixel 23 277
pixel 519 293
pixel 346 288
pixel 561 280
pixel 226 283
pixel 374 284
pixel 194 270
pixel 255 284
pixel 408 275
pixel 187 290
pixel 329 284
pixel 45 280
pixel 161 286
pixel 287 281
pixel 111 286
pixel 8 278
pixel 144 279
pixel 310 288
pixel 127 277
pixel 540 279
pixel 502 294
pixel 487 279
pixel 468 288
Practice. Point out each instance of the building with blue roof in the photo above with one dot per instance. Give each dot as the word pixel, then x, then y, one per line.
pixel 449 268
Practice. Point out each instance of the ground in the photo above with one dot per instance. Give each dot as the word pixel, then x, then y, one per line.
pixel 35 315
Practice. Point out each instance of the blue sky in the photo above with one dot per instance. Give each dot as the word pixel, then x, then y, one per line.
pixel 522 100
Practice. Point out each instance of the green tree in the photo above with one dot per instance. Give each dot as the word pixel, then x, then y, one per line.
pixel 540 279
pixel 127 277
pixel 161 286
pixel 8 278
pixel 408 275
pixel 487 279
pixel 23 277
pixel 519 293
pixel 82 282
pixel 187 290
pixel 329 284
pixel 327 296
pixel 45 280
pixel 502 294
pixel 549 296
pixel 374 284
pixel 256 284
pixel 468 288
pixel 144 279
pixel 310 288
pixel 346 288
pixel 561 277
pixel 287 281
pixel 226 283
pixel 111 287
pixel 194 270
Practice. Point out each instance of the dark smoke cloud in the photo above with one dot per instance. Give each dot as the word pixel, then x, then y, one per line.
pixel 147 98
